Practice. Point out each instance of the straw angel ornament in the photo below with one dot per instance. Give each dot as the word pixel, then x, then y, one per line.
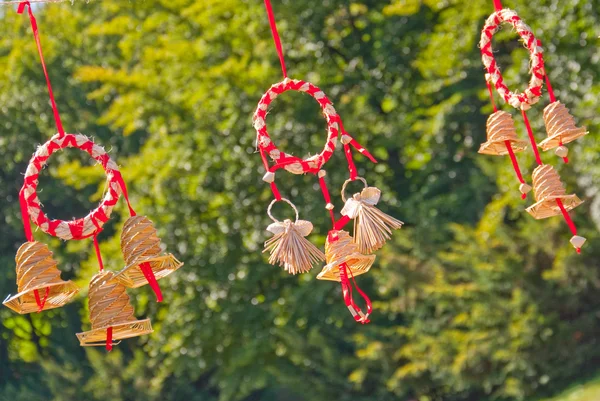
pixel 288 247
pixel 372 227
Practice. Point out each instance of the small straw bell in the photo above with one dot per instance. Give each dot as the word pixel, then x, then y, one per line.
pixel 372 227
pixel 141 251
pixel 340 249
pixel 38 281
pixel 552 200
pixel 561 128
pixel 547 188
pixel 500 128
pixel 111 314
pixel 288 247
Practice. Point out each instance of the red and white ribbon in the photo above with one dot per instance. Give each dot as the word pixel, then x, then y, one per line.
pixel 93 222
pixel 536 55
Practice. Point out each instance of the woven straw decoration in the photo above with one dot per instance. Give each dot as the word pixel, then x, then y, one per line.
pixel 109 307
pixel 141 245
pixel 341 248
pixel 288 247
pixel 501 128
pixel 36 270
pixel 560 126
pixel 547 188
pixel 372 227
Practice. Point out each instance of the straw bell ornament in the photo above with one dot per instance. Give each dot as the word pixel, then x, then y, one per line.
pixel 552 199
pixel 502 140
pixel 38 281
pixel 288 247
pixel 372 227
pixel 561 129
pixel 142 253
pixel 342 252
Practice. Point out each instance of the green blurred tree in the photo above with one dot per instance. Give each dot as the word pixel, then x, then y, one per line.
pixel 474 299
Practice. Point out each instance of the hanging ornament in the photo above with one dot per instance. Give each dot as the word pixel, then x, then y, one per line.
pixel 502 140
pixel 561 129
pixel 288 247
pixel 111 314
pixel 142 253
pixel 344 259
pixel 560 125
pixel 38 280
pixel 372 227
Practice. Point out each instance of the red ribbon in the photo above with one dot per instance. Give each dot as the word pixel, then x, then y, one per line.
pixel 497 5
pixel 98 255
pixel 515 164
pixel 489 86
pixel 276 38
pixel 149 274
pixel 41 302
pixel 25 216
pixel 109 337
pixel 531 138
pixel 36 35
pixel 356 312
pixel 325 191
pixel 119 179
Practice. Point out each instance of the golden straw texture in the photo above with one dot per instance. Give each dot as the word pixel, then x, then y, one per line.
pixel 36 270
pixel 140 244
pixel 341 248
pixel 109 307
pixel 547 188
pixel 500 127
pixel 560 126
pixel 290 249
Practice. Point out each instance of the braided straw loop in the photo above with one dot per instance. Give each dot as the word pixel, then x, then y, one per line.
pixel 110 308
pixel 501 128
pixel 37 271
pixel 547 188
pixel 560 126
pixel 340 248
pixel 140 245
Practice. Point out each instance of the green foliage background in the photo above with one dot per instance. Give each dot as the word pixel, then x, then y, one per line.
pixel 474 300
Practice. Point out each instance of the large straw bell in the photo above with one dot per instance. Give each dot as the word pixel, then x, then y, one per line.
pixel 501 128
pixel 111 314
pixel 560 127
pixel 38 281
pixel 141 250
pixel 547 188
pixel 339 249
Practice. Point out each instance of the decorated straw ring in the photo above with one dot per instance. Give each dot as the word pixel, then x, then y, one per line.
pixel 536 56
pixel 82 227
pixel 291 163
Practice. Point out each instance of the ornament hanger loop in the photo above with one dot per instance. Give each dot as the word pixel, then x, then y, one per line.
pixel 532 94
pixel 283 200
pixel 349 180
pixel 294 164
pixel 83 227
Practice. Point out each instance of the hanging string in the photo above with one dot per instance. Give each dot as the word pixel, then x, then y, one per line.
pixel 38 43
pixel 515 164
pixel 497 5
pixel 531 138
pixel 9 3
pixel 98 254
pixel 276 38
pixel 489 86
pixel 119 179
pixel 25 216
pixel 109 337
pixel 41 302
